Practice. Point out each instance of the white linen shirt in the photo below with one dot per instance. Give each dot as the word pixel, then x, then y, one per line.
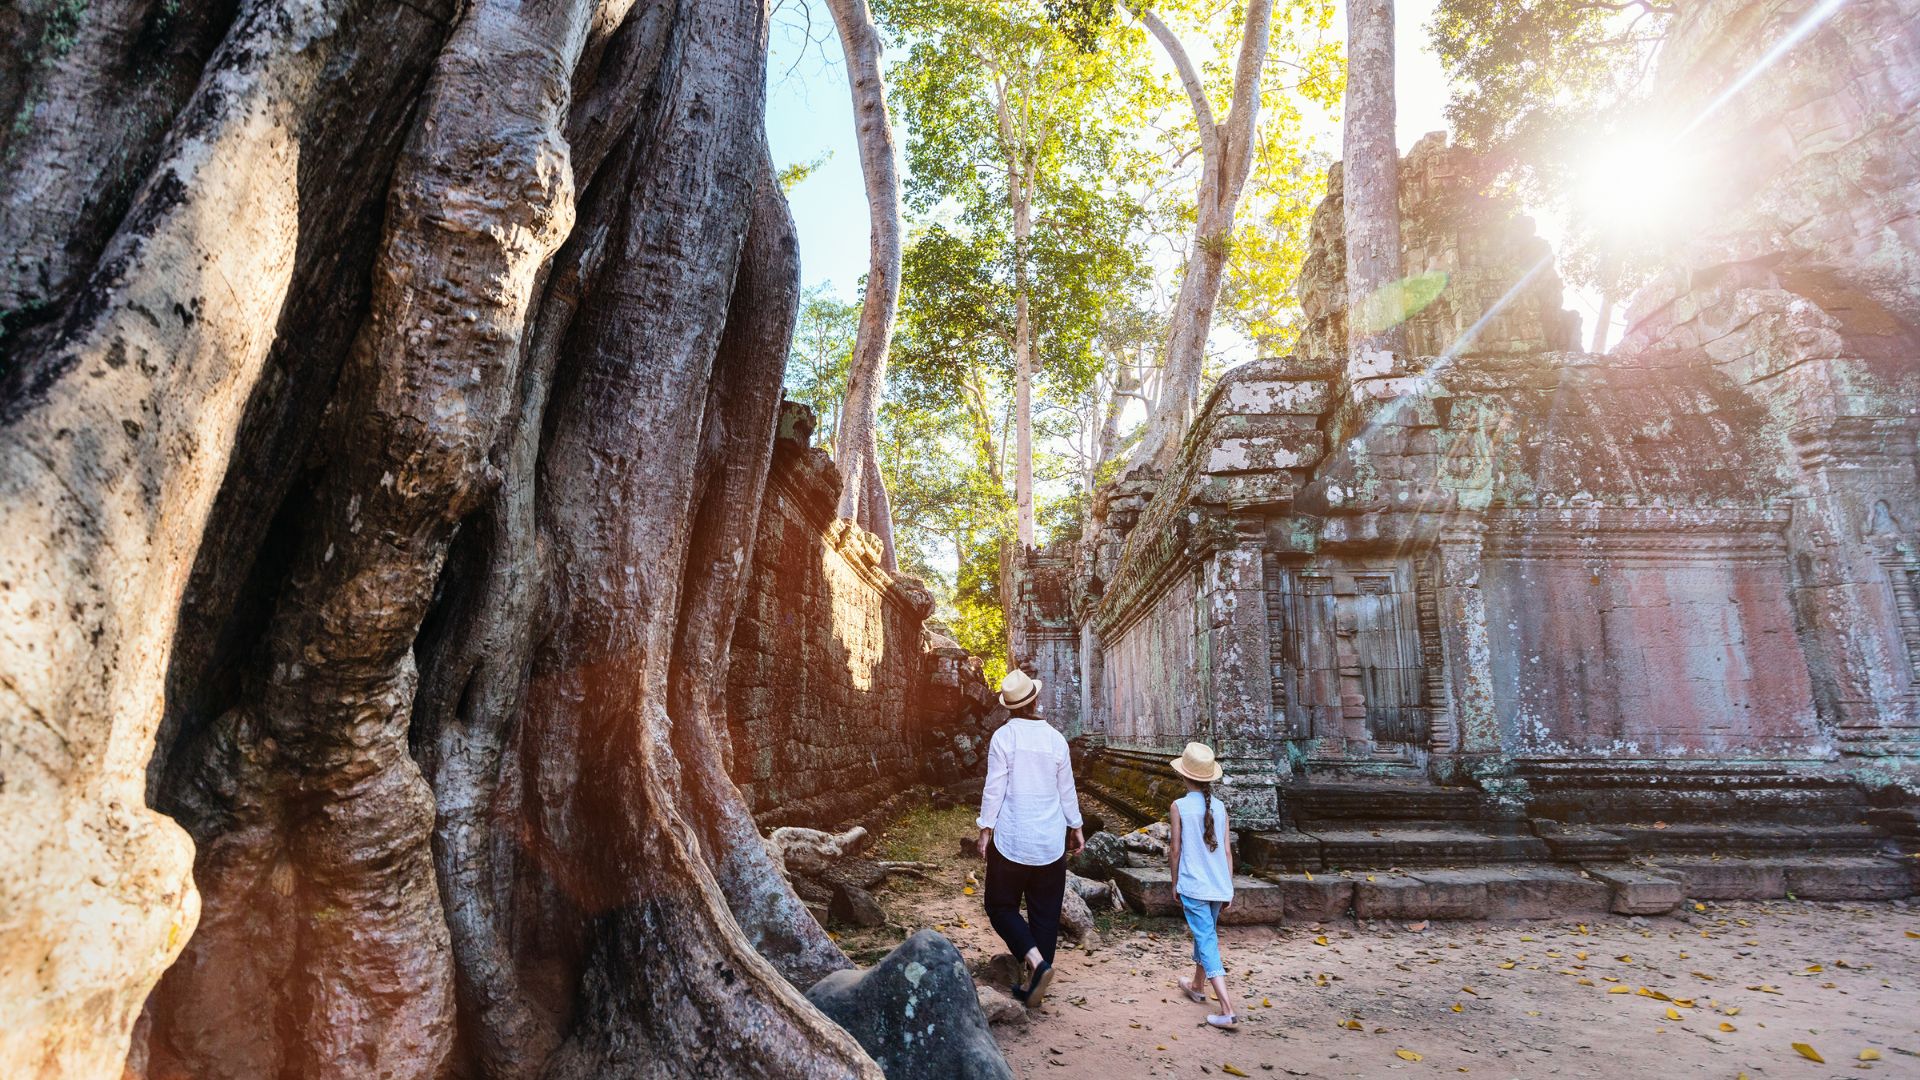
pixel 1029 801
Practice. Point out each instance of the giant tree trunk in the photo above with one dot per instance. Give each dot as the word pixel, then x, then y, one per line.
pixel 1226 154
pixel 863 491
pixel 506 541
pixel 1370 167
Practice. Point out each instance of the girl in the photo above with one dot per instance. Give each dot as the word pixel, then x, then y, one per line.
pixel 1202 875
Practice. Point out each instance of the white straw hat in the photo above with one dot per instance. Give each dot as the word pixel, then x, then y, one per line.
pixel 1197 764
pixel 1017 689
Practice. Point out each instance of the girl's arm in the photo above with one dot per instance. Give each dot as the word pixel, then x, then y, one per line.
pixel 1173 846
pixel 1226 828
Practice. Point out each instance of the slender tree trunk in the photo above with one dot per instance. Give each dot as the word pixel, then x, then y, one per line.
pixel 1226 153
pixel 1603 322
pixel 1371 172
pixel 1022 371
pixel 863 492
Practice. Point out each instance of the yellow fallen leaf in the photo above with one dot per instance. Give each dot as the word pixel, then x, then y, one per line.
pixel 1163 1045
pixel 1685 1003
pixel 1585 982
pixel 1913 934
pixel 1724 1026
pixel 1624 958
pixel 1809 1053
pixel 1457 1007
pixel 1619 990
pixel 1266 1003
pixel 1673 1013
pixel 1352 1025
pixel 1869 1054
pixel 1731 1010
pixel 1508 966
pixel 1582 927
pixel 1697 906
pixel 1406 1055
pixel 1815 969
pixel 1233 1070
pixel 968 890
pixel 1321 940
pixel 1369 877
pixel 1581 955
pixel 1470 990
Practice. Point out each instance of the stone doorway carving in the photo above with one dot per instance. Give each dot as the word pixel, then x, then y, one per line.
pixel 1349 668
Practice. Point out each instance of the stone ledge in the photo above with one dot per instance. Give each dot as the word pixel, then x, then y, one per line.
pixel 1485 892
pixel 1149 891
pixel 1812 877
pixel 1640 892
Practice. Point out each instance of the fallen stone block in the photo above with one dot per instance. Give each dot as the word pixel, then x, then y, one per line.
pixel 1148 890
pixel 1639 892
pixel 916 1013
pixel 855 906
pixel 1403 896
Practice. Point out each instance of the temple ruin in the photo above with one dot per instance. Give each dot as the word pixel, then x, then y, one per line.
pixel 1513 603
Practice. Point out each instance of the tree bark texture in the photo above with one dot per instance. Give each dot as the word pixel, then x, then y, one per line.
pixel 863 491
pixel 409 506
pixel 1370 166
pixel 1226 155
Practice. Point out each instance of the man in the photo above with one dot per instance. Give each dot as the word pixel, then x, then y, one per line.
pixel 1029 824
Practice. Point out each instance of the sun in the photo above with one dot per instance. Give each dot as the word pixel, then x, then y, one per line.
pixel 1636 184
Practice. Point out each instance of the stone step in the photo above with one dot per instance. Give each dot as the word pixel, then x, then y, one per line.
pixel 1429 843
pixel 1804 877
pixel 1537 890
pixel 1149 891
pixel 1323 802
pixel 1588 843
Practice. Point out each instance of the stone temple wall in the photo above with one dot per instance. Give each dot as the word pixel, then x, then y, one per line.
pixel 1504 563
pixel 839 695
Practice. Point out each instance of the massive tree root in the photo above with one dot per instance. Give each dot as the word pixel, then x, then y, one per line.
pixel 444 711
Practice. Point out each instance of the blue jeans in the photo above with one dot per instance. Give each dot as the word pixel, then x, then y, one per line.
pixel 1203 916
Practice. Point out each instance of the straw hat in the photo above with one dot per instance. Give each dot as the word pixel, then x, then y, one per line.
pixel 1017 690
pixel 1197 764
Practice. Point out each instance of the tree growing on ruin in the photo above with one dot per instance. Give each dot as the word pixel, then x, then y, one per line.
pixel 1232 140
pixel 424 359
pixel 863 491
pixel 1370 171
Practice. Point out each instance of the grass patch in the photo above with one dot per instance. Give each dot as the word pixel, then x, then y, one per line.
pixel 924 834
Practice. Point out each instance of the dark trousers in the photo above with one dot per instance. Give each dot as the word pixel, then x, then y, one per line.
pixel 1042 887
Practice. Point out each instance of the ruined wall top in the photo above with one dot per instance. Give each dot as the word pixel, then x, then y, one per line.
pixel 1461 246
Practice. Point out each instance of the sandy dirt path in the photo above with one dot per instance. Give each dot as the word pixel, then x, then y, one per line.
pixel 1742 983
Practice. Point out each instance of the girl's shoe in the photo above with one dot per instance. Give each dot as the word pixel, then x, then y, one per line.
pixel 1036 991
pixel 1193 995
pixel 1226 1022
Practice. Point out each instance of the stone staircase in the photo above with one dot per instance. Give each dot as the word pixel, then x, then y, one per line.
pixel 1397 850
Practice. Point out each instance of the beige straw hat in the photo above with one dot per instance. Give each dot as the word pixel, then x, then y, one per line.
pixel 1197 764
pixel 1017 689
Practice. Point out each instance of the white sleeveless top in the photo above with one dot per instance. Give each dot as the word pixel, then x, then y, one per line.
pixel 1204 874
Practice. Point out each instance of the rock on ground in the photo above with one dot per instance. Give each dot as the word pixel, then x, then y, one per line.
pixel 1075 919
pixel 1104 851
pixel 916 1012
